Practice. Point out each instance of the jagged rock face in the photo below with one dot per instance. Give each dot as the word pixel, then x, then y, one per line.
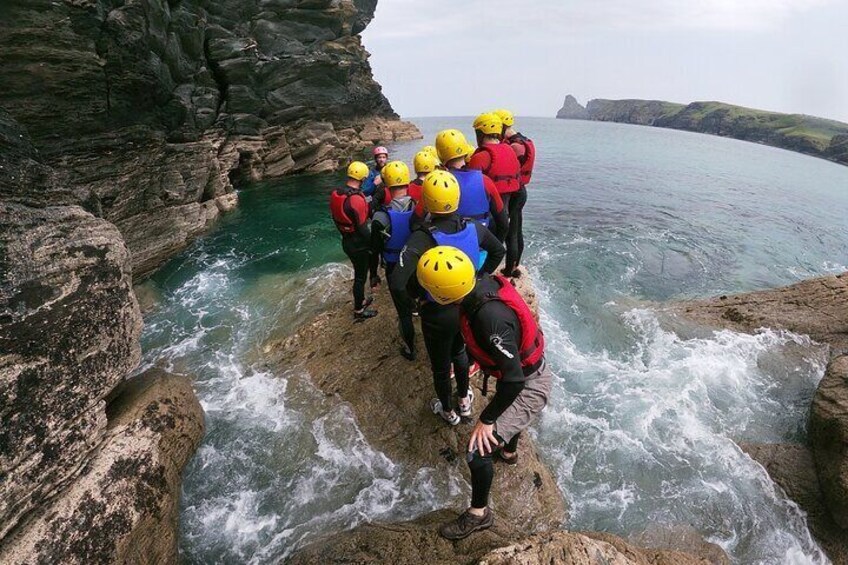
pixel 791 466
pixel 89 471
pixel 123 506
pixel 150 109
pixel 572 110
pixel 829 438
pixel 69 328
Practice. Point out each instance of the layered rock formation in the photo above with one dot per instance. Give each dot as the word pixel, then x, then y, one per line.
pixel 815 477
pixel 89 472
pixel 149 110
pixel 805 134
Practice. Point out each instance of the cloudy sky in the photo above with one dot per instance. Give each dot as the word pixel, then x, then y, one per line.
pixel 444 58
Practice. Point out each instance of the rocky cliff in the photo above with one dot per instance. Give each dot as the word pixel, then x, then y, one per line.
pixel 123 128
pixel 814 475
pixel 150 110
pixel 89 469
pixel 819 137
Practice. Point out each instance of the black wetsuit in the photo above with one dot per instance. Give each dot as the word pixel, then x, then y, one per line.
pixel 514 204
pixel 494 323
pixel 357 245
pixel 440 324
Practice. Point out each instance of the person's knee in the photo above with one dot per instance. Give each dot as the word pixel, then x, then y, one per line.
pixel 478 462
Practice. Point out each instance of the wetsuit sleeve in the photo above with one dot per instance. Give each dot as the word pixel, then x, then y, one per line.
pixel 357 208
pixel 493 247
pixel 379 231
pixel 416 245
pixel 520 151
pixel 498 335
pixel 496 209
pixel 480 161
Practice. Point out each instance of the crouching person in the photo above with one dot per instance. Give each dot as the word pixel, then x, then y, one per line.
pixel 502 335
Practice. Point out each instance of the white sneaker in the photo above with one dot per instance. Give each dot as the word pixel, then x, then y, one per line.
pixel 450 417
pixel 466 404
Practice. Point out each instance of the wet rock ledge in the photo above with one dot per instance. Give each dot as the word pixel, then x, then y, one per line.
pixel 389 396
pixel 816 475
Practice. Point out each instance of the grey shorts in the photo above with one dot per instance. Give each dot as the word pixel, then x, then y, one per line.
pixel 527 406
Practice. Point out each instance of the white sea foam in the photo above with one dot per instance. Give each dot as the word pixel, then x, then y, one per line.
pixel 647 435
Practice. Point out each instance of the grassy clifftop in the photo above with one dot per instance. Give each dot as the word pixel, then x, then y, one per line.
pixel 797 132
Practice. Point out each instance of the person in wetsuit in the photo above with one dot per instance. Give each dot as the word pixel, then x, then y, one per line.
pixel 525 151
pixel 498 162
pixel 390 229
pixel 479 197
pixel 440 324
pixel 502 335
pixel 351 213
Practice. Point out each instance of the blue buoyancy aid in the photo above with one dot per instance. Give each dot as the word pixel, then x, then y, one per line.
pixel 401 229
pixel 473 200
pixel 465 240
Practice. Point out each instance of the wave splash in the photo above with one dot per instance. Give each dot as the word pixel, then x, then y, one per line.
pixel 648 435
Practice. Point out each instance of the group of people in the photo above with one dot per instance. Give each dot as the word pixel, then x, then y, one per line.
pixel 441 238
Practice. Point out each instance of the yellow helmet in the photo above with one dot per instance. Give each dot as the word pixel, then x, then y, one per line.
pixel 430 149
pixel 489 123
pixel 450 144
pixel 425 162
pixel 446 273
pixel 507 117
pixel 358 170
pixel 440 192
pixel 395 174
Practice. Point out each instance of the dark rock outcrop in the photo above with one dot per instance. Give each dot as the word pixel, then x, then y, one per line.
pixel 123 506
pixel 150 110
pixel 572 110
pixel 791 466
pixel 796 132
pixel 829 438
pixel 819 308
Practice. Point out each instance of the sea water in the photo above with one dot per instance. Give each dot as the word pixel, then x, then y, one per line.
pixel 644 423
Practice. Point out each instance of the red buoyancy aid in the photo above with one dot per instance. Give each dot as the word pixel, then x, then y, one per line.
pixel 415 190
pixel 504 170
pixel 532 347
pixel 528 160
pixel 338 199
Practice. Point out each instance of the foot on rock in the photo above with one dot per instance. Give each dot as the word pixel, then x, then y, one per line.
pixel 467 524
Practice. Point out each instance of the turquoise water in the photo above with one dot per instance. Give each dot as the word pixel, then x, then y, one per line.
pixel 642 425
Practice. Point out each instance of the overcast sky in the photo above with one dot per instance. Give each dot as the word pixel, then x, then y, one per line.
pixel 447 58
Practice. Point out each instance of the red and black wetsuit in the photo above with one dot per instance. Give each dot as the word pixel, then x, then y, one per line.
pixel 513 200
pixel 351 212
pixel 440 324
pixel 497 342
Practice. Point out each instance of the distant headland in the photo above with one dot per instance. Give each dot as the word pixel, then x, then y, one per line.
pixel 797 132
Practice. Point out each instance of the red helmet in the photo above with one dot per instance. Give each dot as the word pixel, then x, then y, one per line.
pixel 380 150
